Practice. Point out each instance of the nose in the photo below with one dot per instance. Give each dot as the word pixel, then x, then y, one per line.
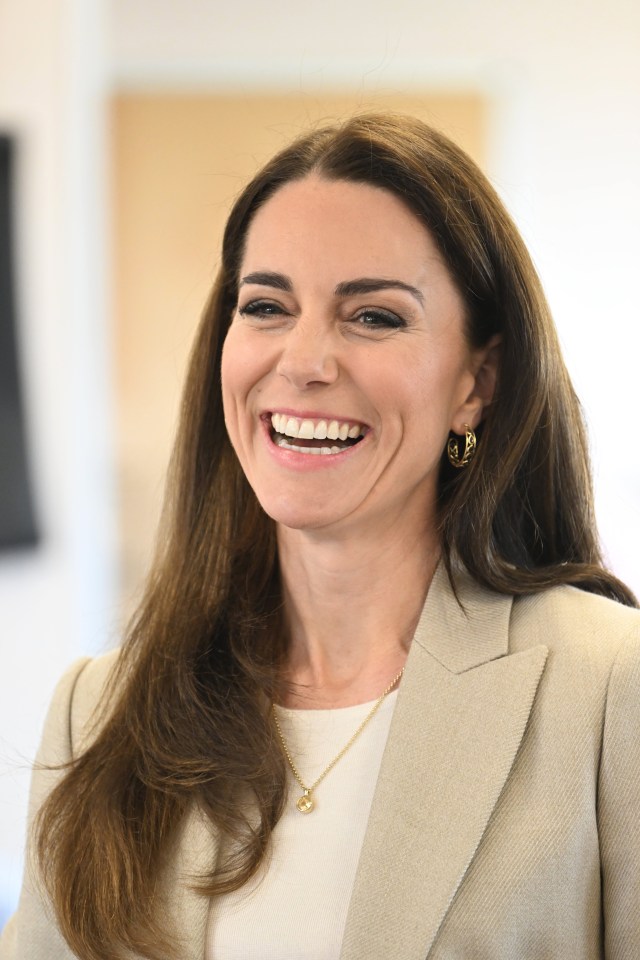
pixel 308 357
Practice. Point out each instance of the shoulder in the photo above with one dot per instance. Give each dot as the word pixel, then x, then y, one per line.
pixel 565 618
pixel 76 707
pixel 91 698
pixel 593 643
pixel 72 714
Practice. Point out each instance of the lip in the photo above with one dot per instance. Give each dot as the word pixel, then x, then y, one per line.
pixel 304 462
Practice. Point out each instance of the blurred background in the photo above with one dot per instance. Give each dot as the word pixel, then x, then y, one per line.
pixel 129 126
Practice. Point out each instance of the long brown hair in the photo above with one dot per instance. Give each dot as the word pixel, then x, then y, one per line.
pixel 188 719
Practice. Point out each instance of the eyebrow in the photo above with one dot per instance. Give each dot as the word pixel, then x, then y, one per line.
pixel 265 279
pixel 348 288
pixel 351 288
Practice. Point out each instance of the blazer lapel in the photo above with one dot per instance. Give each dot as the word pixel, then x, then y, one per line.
pixel 460 716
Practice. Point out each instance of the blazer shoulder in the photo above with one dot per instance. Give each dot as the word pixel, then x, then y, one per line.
pixel 75 708
pixel 90 702
pixel 565 617
pixel 31 932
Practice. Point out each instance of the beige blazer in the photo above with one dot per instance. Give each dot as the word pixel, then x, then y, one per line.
pixel 506 819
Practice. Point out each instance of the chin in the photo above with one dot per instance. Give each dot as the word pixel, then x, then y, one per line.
pixel 299 520
pixel 298 516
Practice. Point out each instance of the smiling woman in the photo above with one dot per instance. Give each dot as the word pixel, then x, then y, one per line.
pixel 358 324
pixel 378 647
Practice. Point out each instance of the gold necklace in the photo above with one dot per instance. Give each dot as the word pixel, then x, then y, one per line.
pixel 306 803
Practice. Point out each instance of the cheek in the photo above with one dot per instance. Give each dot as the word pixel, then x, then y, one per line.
pixel 430 394
pixel 232 383
pixel 243 369
pixel 235 370
pixel 245 362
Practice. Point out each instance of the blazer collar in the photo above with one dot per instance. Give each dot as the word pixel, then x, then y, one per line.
pixel 461 712
pixel 465 632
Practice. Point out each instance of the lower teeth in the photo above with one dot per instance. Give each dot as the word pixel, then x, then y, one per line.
pixel 281 441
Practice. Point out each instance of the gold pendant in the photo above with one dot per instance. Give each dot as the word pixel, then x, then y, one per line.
pixel 305 803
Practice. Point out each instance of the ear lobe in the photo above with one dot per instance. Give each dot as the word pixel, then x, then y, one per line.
pixel 486 366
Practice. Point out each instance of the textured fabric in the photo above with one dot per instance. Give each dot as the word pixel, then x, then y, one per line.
pixel 296 909
pixel 505 822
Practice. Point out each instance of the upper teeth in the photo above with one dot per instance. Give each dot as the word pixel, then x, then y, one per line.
pixel 315 429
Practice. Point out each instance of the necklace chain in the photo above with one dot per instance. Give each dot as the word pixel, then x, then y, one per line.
pixel 306 803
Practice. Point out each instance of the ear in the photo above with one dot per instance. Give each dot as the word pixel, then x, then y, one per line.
pixel 485 366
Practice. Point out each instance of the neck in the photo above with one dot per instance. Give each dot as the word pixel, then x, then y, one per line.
pixel 352 606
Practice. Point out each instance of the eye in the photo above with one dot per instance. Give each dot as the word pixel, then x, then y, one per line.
pixel 261 308
pixel 374 318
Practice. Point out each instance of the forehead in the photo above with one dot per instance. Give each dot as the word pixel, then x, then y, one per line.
pixel 354 226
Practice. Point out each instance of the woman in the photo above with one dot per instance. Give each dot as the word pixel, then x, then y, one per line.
pixel 295 755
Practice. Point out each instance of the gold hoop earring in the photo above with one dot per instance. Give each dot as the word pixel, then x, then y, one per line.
pixel 470 448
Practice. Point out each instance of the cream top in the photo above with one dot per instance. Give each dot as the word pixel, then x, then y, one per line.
pixel 296 909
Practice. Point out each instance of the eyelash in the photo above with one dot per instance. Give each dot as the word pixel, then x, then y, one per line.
pixel 383 319
pixel 260 308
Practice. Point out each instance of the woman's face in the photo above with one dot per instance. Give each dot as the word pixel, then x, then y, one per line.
pixel 346 363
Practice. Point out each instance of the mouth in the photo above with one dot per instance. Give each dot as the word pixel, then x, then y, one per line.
pixel 319 437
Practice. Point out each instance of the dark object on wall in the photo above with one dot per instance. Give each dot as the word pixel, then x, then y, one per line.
pixel 17 520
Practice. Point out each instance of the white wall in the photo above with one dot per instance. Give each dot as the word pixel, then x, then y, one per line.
pixel 55 601
pixel 565 80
